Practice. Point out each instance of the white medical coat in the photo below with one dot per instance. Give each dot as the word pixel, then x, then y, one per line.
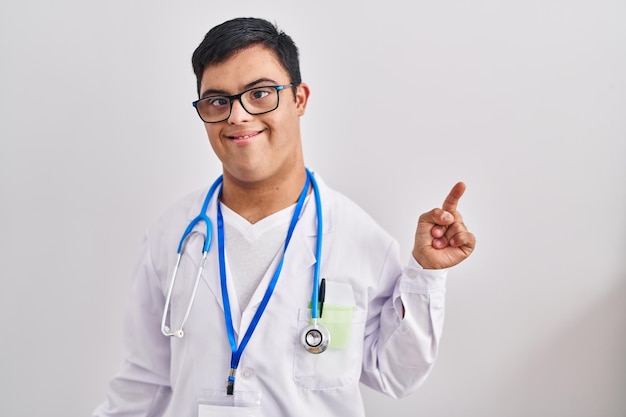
pixel 162 376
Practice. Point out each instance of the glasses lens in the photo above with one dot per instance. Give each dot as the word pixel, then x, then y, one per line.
pixel 260 100
pixel 213 109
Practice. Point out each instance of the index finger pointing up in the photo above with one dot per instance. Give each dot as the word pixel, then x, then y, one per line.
pixel 452 200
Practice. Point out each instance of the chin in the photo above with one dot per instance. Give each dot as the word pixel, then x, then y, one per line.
pixel 250 174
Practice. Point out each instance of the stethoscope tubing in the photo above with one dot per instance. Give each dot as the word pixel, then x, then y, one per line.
pixel 201 217
pixel 318 252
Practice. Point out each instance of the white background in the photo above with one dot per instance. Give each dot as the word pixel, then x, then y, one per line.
pixel 525 101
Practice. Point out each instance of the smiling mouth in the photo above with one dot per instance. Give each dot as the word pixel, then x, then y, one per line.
pixel 244 137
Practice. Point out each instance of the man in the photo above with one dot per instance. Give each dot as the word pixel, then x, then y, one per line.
pixel 302 295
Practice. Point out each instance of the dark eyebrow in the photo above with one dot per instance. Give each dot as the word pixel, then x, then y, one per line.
pixel 218 92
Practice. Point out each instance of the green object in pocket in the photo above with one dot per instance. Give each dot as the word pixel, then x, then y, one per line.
pixel 338 320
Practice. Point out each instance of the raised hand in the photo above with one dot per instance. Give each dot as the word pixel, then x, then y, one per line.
pixel 441 239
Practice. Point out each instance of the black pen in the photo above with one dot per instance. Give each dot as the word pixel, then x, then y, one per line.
pixel 321 296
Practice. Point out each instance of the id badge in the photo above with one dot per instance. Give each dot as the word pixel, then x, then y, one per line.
pixel 218 404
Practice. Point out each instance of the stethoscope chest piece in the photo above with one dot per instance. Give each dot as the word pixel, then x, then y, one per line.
pixel 315 338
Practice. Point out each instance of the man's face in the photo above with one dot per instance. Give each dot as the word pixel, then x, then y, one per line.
pixel 254 148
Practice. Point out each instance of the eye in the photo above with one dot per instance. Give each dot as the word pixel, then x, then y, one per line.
pixel 259 93
pixel 217 101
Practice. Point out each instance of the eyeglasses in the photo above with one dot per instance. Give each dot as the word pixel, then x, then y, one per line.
pixel 257 100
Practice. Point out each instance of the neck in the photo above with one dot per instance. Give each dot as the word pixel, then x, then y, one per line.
pixel 256 200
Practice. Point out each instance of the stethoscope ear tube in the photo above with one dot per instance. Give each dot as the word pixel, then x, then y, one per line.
pixel 165 329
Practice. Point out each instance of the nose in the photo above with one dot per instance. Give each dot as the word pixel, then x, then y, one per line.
pixel 237 113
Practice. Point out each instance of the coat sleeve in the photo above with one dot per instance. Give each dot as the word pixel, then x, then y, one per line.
pixel 141 388
pixel 399 352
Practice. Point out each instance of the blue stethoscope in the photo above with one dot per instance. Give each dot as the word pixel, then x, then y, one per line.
pixel 315 337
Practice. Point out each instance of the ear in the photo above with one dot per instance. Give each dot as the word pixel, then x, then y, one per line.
pixel 302 97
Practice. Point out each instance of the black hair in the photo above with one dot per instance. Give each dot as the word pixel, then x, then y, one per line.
pixel 232 36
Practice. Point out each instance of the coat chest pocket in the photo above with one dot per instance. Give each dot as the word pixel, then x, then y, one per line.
pixel 340 364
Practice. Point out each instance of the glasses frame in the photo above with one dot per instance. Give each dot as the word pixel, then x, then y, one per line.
pixel 234 97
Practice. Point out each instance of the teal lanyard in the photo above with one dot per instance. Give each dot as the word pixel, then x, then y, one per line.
pixel 237 351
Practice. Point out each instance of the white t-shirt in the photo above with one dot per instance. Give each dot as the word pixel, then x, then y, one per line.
pixel 251 248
